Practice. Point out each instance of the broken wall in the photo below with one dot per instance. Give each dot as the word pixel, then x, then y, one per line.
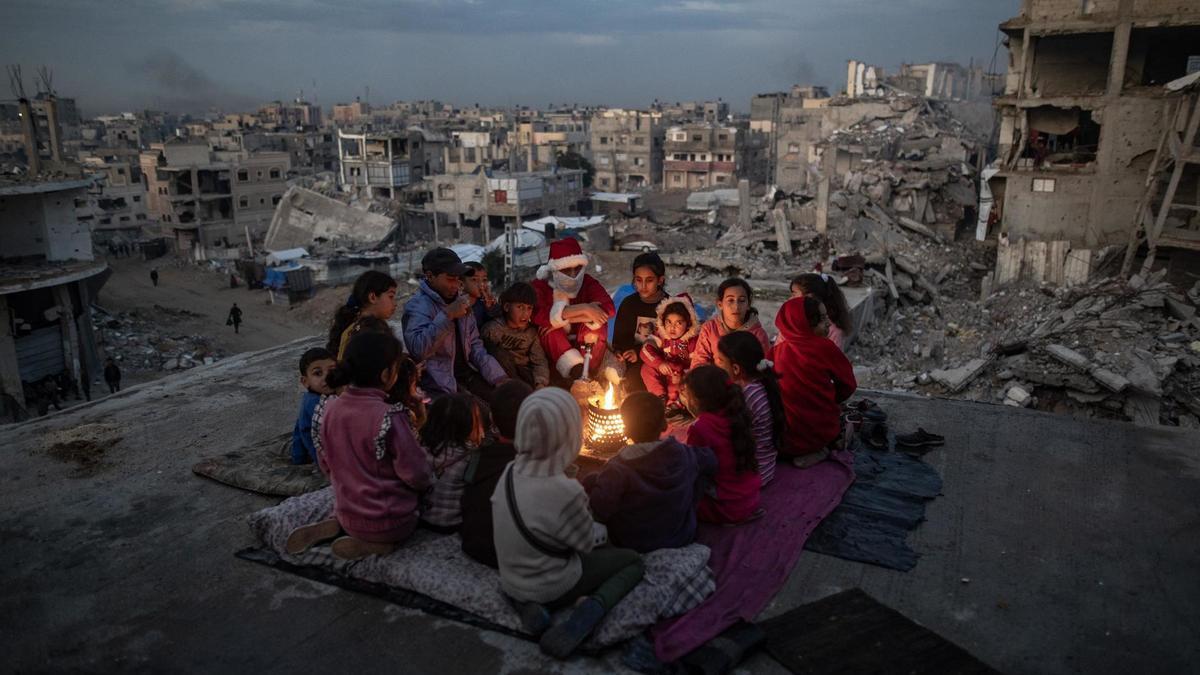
pixel 304 216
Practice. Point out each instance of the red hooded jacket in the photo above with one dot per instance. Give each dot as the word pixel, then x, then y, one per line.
pixel 814 378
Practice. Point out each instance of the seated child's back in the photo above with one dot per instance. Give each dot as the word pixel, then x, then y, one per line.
pixel 647 494
pixel 723 424
pixel 367 446
pixel 451 433
pixel 484 470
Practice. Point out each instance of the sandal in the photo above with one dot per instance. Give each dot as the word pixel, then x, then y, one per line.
pixel 306 536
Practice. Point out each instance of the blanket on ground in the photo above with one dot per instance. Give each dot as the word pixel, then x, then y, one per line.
pixel 265 468
pixel 434 565
pixel 752 561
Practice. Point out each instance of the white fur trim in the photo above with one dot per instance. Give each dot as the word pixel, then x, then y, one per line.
pixel 560 264
pixel 567 361
pixel 543 272
pixel 556 314
pixel 692 330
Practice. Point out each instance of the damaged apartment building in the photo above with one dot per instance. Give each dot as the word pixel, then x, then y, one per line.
pixel 477 206
pixel 380 164
pixel 627 148
pixel 212 198
pixel 701 155
pixel 1082 118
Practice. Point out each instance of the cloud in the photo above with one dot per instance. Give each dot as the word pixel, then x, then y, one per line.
pixel 703 6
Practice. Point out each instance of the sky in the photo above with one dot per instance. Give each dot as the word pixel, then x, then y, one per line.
pixel 189 55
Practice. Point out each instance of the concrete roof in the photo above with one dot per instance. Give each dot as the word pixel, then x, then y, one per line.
pixel 1060 545
pixel 15 278
pixel 30 187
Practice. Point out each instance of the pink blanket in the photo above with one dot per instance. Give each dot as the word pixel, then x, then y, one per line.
pixel 751 562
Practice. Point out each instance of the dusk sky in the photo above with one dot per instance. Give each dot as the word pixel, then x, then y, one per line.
pixel 185 55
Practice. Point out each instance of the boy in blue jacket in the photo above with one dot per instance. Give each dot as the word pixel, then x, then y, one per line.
pixel 647 494
pixel 315 365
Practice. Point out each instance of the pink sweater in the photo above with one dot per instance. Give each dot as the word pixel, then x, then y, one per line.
pixel 376 465
pixel 714 329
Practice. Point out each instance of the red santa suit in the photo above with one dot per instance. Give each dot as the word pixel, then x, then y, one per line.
pixel 555 292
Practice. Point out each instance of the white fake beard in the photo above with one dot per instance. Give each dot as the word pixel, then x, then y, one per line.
pixel 568 285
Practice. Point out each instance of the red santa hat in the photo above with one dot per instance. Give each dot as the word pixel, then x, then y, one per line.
pixel 564 254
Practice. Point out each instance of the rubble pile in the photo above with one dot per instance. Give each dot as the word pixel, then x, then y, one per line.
pixel 140 341
pixel 1111 349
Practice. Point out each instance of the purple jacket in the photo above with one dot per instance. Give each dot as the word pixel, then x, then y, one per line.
pixel 429 336
pixel 377 466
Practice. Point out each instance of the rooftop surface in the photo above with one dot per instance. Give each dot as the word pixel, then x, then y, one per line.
pixel 1059 546
pixel 18 277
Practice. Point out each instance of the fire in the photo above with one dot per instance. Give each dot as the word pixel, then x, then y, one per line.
pixel 609 398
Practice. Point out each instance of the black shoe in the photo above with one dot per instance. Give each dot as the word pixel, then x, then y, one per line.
pixel 875 436
pixel 562 639
pixel 920 439
pixel 535 618
pixel 870 410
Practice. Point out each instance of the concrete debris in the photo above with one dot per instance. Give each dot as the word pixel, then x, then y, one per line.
pixel 955 379
pixel 137 342
pixel 305 218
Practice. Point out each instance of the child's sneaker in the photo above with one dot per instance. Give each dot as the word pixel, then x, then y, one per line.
pixel 306 536
pixel 535 618
pixel 811 459
pixel 562 639
pixel 349 548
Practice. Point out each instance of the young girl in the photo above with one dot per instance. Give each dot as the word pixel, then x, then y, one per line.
pixel 825 289
pixel 667 354
pixel 454 429
pixel 735 311
pixel 405 390
pixel 814 378
pixel 740 355
pixel 369 451
pixel 544 533
pixel 374 295
pixel 723 424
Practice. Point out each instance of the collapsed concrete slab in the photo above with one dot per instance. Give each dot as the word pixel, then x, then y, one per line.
pixel 304 217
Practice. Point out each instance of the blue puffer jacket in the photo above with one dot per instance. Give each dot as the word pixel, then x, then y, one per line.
pixel 429 336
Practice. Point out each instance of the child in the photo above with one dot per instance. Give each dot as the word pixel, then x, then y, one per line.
pixel 814 378
pixel 484 469
pixel 636 315
pixel 571 304
pixel 723 424
pixel 667 355
pixel 374 294
pixel 315 365
pixel 476 285
pixel 741 356
pixel 647 494
pixel 825 289
pixel 369 451
pixel 513 341
pixel 735 311
pixel 544 532
pixel 453 430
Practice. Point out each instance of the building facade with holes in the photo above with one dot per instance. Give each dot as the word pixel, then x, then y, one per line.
pixel 48 278
pixel 1082 114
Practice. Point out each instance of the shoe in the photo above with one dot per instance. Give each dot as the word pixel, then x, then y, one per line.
pixel 349 548
pixel 920 439
pixel 811 459
pixel 535 618
pixel 875 436
pixel 564 638
pixel 854 419
pixel 870 410
pixel 305 537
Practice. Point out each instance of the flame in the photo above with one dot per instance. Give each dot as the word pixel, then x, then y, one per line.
pixel 609 398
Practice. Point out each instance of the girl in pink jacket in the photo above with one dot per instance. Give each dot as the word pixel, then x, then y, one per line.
pixel 370 452
pixel 735 311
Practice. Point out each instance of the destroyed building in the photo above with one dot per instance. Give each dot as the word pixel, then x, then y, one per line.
pixel 467 151
pixel 311 151
pixel 1082 114
pixel 479 205
pixel 207 197
pixel 381 163
pixel 627 148
pixel 48 277
pixel 117 207
pixel 540 142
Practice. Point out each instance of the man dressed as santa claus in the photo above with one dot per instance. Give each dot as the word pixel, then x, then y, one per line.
pixel 571 303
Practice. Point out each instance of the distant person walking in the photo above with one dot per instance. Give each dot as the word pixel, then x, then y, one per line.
pixel 112 376
pixel 235 317
pixel 154 275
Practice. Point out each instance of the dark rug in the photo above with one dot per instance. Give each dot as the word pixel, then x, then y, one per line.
pixel 851 632
pixel 886 502
pixel 265 468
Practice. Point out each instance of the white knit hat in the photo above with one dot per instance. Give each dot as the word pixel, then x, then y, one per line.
pixel 549 433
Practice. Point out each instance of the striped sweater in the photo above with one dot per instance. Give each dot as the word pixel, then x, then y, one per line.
pixel 761 427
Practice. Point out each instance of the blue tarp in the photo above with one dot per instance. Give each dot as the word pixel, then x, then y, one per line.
pixel 277 276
